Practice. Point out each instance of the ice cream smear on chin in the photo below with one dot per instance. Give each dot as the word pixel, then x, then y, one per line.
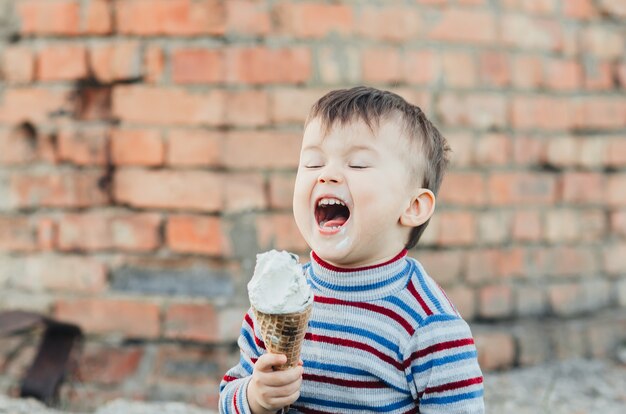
pixel 278 285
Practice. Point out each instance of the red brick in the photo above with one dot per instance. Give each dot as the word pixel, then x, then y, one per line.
pixel 154 64
pixel 162 106
pixel 275 149
pixel 245 191
pixel 466 189
pixel 62 62
pixel 44 17
pixel 17 234
pixel 84 146
pixel 314 20
pixel 262 65
pixel 95 315
pixel 598 75
pixel 496 301
pixel 565 261
pixel 496 350
pixel 135 146
pixel 594 152
pixel 620 74
pixel 527 71
pixel 495 69
pixel 462 145
pixel 613 259
pixel 248 17
pixel 292 105
pixel 98 18
pixel 444 266
pixel 493 149
pixel 456 228
pixel 562 151
pixel 494 227
pixel 47 234
pixel 562 226
pixel 109 365
pixel 531 33
pixel 618 223
pixel 18 146
pixel 109 231
pixel 339 64
pixel 521 189
pixel 195 148
pixel 191 190
pixel 543 112
pixel 604 42
pixel 247 108
pixel 563 74
pixel 170 17
pixel 279 231
pixel 389 23
pixel 193 65
pixel 465 26
pixel 421 67
pixel 74 274
pixel 600 112
pixel 463 299
pixel 93 103
pixel 194 322
pixel 281 191
pixel 530 301
pixel 58 189
pixel 459 69
pixel 115 61
pixel 381 65
pixel 527 225
pixel 493 264
pixel 481 110
pixel 616 190
pixel 533 6
pixel 18 65
pixel 583 187
pixel 197 234
pixel 579 9
pixel 528 150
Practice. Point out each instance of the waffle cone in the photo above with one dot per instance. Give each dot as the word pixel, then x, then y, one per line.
pixel 284 333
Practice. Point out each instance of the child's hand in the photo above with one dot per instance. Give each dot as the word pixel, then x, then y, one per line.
pixel 271 390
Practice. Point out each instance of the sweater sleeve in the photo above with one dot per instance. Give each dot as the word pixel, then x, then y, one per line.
pixel 234 385
pixel 442 367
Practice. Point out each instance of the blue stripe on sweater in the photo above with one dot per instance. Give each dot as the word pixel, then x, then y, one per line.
pixel 348 406
pixel 449 399
pixel 245 365
pixel 402 305
pixel 425 288
pixel 356 331
pixel 246 335
pixel 442 361
pixel 360 288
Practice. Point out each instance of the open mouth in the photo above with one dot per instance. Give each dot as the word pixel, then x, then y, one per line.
pixel 331 213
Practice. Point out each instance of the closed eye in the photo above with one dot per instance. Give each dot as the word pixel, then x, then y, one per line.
pixel 358 167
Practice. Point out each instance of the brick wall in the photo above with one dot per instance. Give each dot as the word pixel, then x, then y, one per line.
pixel 148 151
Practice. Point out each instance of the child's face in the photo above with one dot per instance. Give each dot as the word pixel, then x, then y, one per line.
pixel 351 190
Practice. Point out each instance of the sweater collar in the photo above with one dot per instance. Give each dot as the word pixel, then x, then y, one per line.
pixel 362 283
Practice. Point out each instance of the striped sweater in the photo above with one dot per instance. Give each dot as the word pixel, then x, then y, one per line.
pixel 383 338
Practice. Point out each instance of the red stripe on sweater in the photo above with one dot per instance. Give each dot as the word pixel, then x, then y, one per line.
pixel 354 344
pixel 257 341
pixel 235 401
pixel 343 382
pixel 437 348
pixel 228 378
pixel 334 268
pixel 454 385
pixel 417 296
pixel 370 307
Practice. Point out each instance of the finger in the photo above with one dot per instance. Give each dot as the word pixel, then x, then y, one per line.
pixel 285 401
pixel 267 361
pixel 282 378
pixel 301 363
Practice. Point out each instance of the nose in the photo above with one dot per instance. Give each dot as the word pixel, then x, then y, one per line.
pixel 330 174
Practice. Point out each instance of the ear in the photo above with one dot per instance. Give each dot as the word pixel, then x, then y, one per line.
pixel 421 208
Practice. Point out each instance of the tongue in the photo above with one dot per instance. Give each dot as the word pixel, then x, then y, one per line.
pixel 336 222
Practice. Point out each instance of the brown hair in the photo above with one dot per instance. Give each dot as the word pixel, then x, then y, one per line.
pixel 372 105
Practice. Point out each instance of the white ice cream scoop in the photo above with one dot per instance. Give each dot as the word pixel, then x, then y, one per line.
pixel 278 285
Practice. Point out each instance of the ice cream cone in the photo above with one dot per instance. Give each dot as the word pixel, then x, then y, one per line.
pixel 284 333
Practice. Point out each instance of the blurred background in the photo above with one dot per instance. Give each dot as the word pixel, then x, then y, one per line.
pixel 148 150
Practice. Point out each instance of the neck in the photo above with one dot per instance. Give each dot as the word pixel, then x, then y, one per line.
pixel 336 268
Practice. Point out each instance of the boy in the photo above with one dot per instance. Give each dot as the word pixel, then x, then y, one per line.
pixel 382 337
